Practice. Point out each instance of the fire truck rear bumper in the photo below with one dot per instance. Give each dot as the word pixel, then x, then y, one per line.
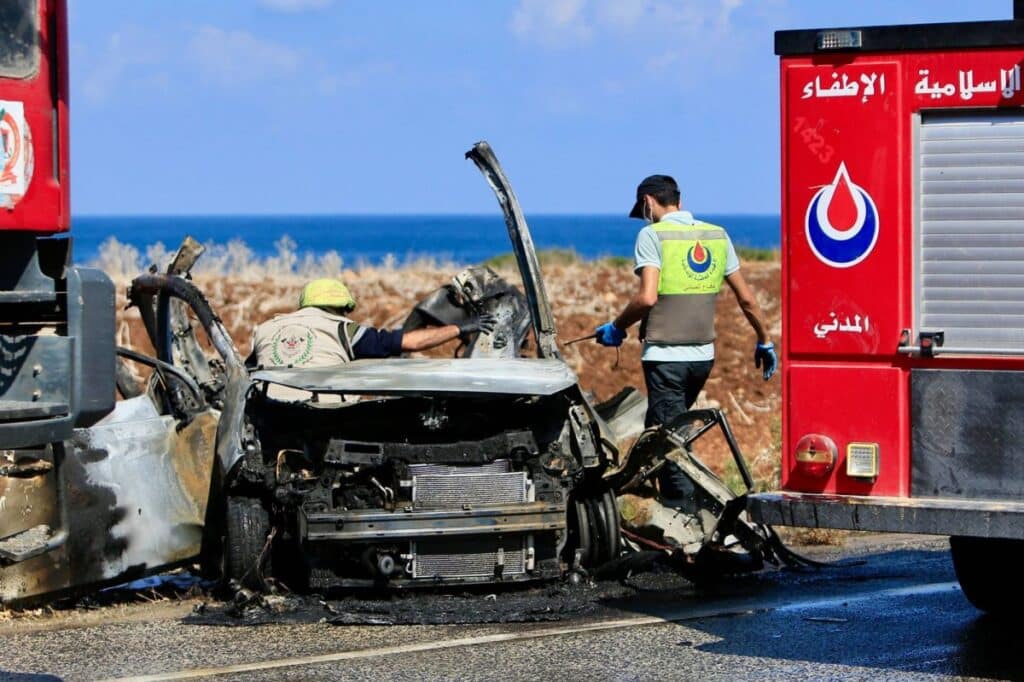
pixel 930 516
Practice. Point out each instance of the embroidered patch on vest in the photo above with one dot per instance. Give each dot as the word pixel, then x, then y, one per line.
pixel 291 345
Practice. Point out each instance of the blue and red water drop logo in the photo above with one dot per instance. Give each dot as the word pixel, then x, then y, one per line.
pixel 842 222
pixel 698 258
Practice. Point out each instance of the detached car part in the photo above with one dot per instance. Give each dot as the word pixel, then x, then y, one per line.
pixel 706 529
pixel 121 494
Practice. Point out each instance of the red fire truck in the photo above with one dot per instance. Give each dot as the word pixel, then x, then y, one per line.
pixel 56 320
pixel 903 290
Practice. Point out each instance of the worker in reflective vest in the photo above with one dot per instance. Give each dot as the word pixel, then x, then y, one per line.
pixel 681 263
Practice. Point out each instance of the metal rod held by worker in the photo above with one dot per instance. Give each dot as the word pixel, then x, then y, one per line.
pixel 582 338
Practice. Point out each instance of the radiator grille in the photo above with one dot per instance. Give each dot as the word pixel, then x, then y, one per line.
pixel 468 557
pixel 435 491
pixel 498 466
pixel 970 240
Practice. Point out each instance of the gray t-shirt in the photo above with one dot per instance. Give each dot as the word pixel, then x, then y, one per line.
pixel 648 252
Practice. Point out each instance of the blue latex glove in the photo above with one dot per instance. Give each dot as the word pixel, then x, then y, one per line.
pixel 766 359
pixel 610 335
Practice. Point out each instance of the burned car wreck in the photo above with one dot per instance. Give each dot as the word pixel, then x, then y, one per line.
pixel 492 466
pixel 462 470
pixel 484 467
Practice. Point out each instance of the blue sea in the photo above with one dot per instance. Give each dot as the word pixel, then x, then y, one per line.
pixel 462 239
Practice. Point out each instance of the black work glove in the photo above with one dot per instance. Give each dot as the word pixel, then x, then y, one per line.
pixel 478 323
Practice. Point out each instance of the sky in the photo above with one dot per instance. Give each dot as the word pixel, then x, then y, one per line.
pixel 357 106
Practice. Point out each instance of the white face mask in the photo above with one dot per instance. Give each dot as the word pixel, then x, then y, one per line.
pixel 648 214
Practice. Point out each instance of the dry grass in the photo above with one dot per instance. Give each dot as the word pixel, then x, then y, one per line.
pixel 237 261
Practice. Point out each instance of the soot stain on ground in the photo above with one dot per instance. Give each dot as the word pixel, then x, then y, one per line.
pixel 544 603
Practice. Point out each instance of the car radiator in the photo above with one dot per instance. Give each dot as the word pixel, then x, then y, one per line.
pixel 449 487
pixel 439 486
pixel 474 556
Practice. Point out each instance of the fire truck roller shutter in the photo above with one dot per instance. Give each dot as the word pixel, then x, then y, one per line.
pixel 970 229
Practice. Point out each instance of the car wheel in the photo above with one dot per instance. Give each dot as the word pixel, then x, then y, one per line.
pixel 612 522
pixel 594 528
pixel 246 528
pixel 989 572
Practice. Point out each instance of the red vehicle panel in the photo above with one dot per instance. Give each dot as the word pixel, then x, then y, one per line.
pixel 838 186
pixel 848 240
pixel 853 403
pixel 34 183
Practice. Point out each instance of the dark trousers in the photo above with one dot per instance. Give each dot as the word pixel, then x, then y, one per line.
pixel 672 387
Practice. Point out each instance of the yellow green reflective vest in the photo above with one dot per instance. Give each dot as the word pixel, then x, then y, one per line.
pixel 692 270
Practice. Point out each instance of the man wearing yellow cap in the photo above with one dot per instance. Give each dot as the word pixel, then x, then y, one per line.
pixel 319 334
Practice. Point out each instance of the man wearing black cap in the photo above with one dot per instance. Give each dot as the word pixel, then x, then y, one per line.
pixel 682 263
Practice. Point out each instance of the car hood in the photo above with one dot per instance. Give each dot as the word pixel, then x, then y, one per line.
pixel 466 376
pixel 522 246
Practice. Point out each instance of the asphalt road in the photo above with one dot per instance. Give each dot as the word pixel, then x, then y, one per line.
pixel 898 615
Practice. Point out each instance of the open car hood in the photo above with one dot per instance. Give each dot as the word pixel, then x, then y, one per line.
pixel 522 245
pixel 466 376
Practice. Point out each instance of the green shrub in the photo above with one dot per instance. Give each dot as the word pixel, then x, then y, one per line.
pixel 618 261
pixel 545 256
pixel 750 253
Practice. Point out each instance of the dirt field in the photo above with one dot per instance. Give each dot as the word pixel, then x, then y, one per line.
pixel 583 295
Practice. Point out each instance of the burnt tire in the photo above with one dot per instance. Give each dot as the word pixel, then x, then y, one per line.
pixel 594 528
pixel 989 573
pixel 246 529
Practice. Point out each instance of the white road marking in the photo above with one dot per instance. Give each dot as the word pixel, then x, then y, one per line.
pixel 679 615
pixel 914 590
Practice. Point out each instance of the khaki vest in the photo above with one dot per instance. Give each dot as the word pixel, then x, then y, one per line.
pixel 308 337
pixel 692 271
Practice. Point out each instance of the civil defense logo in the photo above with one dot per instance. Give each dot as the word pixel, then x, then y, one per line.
pixel 842 222
pixel 10 148
pixel 699 258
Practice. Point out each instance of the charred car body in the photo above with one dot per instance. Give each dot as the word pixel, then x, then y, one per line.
pixel 481 468
pixel 467 472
